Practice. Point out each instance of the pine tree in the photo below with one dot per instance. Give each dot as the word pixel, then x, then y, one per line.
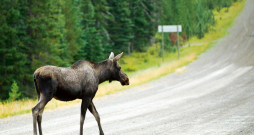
pixel 120 29
pixel 143 20
pixel 73 27
pixel 46 30
pixel 151 16
pixel 92 50
pixel 188 24
pixel 14 93
pixel 200 26
pixel 12 35
pixel 101 16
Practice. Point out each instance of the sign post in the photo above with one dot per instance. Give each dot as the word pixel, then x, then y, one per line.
pixel 178 42
pixel 169 28
pixel 162 44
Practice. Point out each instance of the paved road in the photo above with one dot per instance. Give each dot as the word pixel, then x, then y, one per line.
pixel 214 96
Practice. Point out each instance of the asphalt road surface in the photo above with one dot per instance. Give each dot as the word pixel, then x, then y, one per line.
pixel 215 95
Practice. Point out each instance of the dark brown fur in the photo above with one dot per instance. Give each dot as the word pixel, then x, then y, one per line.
pixel 80 81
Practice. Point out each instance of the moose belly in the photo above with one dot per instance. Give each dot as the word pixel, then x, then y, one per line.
pixel 66 95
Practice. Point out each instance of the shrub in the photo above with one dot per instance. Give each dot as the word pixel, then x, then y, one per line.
pixel 129 68
pixel 153 50
pixel 122 61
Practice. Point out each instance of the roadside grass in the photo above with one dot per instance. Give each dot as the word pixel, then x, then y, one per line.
pixel 224 19
pixel 143 67
pixel 171 64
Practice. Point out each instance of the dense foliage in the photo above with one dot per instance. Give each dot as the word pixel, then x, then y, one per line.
pixel 34 33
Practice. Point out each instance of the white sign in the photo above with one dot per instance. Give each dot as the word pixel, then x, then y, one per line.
pixel 170 28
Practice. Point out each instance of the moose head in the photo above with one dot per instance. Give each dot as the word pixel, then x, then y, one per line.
pixel 115 69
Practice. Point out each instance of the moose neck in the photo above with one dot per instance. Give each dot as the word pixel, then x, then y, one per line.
pixel 102 71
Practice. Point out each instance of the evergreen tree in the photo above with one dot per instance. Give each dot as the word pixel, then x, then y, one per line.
pixel 120 30
pixel 57 39
pixel 92 50
pixel 46 37
pixel 12 35
pixel 200 27
pixel 151 16
pixel 101 16
pixel 14 93
pixel 47 33
pixel 143 24
pixel 73 27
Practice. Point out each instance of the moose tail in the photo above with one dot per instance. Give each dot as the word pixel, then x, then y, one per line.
pixel 36 75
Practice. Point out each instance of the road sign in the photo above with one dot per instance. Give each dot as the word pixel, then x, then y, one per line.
pixel 170 28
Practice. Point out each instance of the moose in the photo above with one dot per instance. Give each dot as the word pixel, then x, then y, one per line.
pixel 79 81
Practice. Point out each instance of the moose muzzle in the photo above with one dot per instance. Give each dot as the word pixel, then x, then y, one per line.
pixel 124 78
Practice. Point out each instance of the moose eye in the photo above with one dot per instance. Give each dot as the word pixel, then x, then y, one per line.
pixel 118 67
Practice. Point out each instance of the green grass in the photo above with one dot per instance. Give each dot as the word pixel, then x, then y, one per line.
pixel 143 67
pixel 224 19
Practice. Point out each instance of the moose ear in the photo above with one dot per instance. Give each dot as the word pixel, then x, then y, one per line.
pixel 117 57
pixel 111 56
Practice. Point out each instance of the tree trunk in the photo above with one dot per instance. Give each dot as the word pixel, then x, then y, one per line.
pixel 129 49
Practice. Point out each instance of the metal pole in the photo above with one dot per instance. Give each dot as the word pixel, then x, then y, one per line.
pixel 178 42
pixel 129 48
pixel 162 43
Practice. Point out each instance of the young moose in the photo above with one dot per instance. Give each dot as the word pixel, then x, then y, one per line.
pixel 80 81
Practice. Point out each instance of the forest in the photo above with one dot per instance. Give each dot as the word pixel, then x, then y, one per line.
pixel 34 33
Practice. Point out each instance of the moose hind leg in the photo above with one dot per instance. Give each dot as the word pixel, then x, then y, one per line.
pixel 93 110
pixel 39 119
pixel 37 113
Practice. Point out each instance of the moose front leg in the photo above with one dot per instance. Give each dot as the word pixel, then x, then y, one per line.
pixel 84 105
pixel 93 110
